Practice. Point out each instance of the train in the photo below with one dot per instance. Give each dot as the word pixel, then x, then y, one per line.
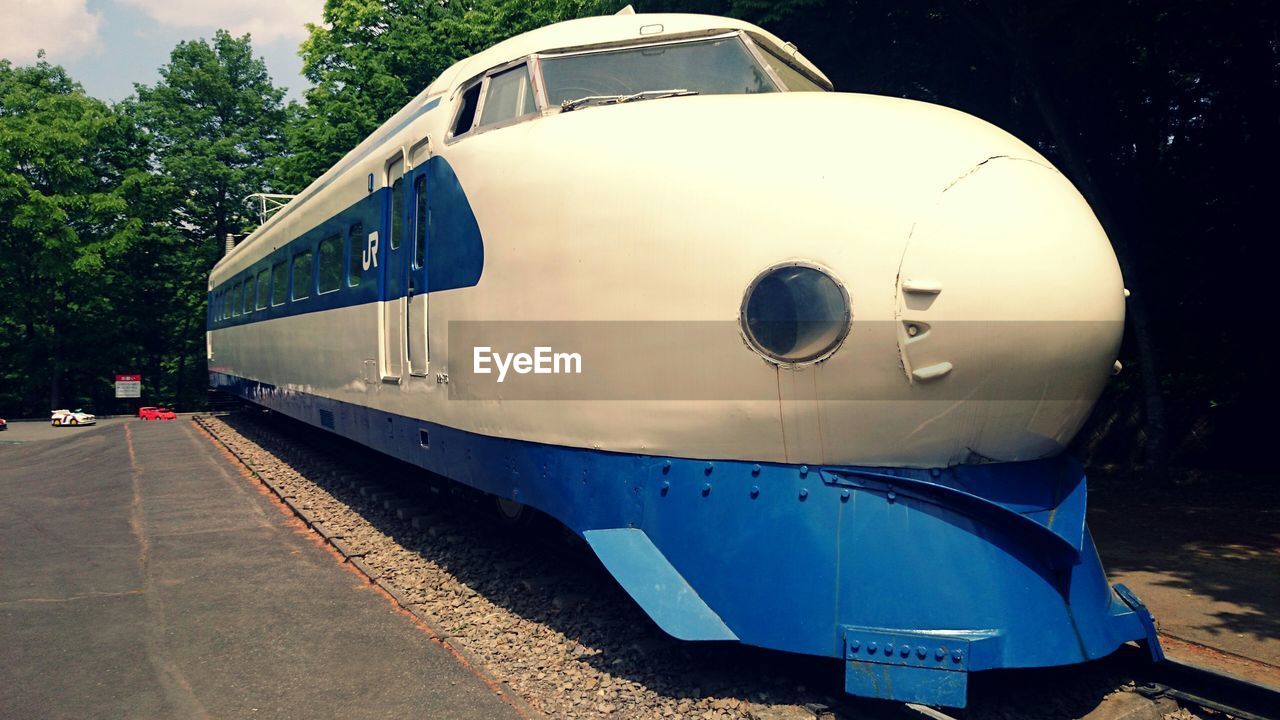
pixel 800 366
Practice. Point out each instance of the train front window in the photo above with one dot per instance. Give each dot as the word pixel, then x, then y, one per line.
pixel 467 111
pixel 792 77
pixel 510 95
pixel 719 66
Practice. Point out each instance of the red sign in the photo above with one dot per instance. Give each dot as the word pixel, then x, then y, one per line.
pixel 128 386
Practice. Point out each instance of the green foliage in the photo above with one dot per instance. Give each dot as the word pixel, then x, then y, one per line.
pixel 69 171
pixel 215 121
pixel 371 57
pixel 110 219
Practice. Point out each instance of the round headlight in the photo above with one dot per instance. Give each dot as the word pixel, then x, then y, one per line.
pixel 795 313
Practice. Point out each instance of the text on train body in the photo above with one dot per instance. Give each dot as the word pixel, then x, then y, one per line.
pixel 543 361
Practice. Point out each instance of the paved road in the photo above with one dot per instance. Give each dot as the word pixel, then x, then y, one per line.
pixel 1206 560
pixel 24 431
pixel 142 576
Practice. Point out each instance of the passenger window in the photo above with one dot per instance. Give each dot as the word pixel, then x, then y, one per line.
pixel 279 284
pixel 467 111
pixel 397 208
pixel 302 275
pixel 330 264
pixel 236 297
pixel 264 283
pixel 248 295
pixel 420 232
pixel 355 263
pixel 510 95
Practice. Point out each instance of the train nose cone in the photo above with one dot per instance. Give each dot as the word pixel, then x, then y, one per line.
pixel 1011 303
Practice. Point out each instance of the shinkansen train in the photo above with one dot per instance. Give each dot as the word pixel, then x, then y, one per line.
pixel 800 366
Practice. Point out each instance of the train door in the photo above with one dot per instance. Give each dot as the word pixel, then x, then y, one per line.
pixel 419 225
pixel 395 275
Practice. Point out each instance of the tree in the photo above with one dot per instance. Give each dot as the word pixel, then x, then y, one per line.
pixel 371 57
pixel 215 122
pixel 69 170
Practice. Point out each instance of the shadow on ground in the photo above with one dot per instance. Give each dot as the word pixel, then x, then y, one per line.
pixel 1209 552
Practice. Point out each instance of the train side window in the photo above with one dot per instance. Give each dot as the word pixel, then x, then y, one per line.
pixel 302 275
pixel 420 223
pixel 279 284
pixel 248 295
pixel 330 264
pixel 236 298
pixel 466 111
pixel 264 285
pixel 509 95
pixel 397 206
pixel 356 249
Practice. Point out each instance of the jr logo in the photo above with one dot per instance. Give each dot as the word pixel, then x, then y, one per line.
pixel 369 257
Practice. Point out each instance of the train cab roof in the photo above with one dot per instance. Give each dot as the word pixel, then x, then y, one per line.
pixel 606 31
pixel 582 36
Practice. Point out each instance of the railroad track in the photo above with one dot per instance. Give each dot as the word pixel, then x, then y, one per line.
pixel 1210 690
pixel 534 610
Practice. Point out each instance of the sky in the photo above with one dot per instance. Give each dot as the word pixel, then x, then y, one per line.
pixel 108 45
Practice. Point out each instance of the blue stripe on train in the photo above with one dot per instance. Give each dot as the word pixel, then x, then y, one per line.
pixel 375 146
pixel 454 251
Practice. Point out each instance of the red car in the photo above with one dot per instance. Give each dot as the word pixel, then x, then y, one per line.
pixel 156 413
pixel 3 425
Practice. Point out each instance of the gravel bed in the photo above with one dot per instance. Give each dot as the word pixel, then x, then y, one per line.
pixel 536 611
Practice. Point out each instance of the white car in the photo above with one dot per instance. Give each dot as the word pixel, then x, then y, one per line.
pixel 68 417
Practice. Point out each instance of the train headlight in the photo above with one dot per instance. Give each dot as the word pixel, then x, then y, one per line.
pixel 795 313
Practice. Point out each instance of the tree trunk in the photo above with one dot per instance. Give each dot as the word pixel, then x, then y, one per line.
pixel 55 380
pixel 184 348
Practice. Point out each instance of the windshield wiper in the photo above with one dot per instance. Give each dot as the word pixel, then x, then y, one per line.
pixel 568 105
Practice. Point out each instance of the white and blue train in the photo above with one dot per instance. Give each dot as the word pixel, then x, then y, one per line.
pixel 800 366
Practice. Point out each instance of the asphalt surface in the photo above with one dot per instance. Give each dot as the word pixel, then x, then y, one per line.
pixel 24 431
pixel 1206 560
pixel 142 576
